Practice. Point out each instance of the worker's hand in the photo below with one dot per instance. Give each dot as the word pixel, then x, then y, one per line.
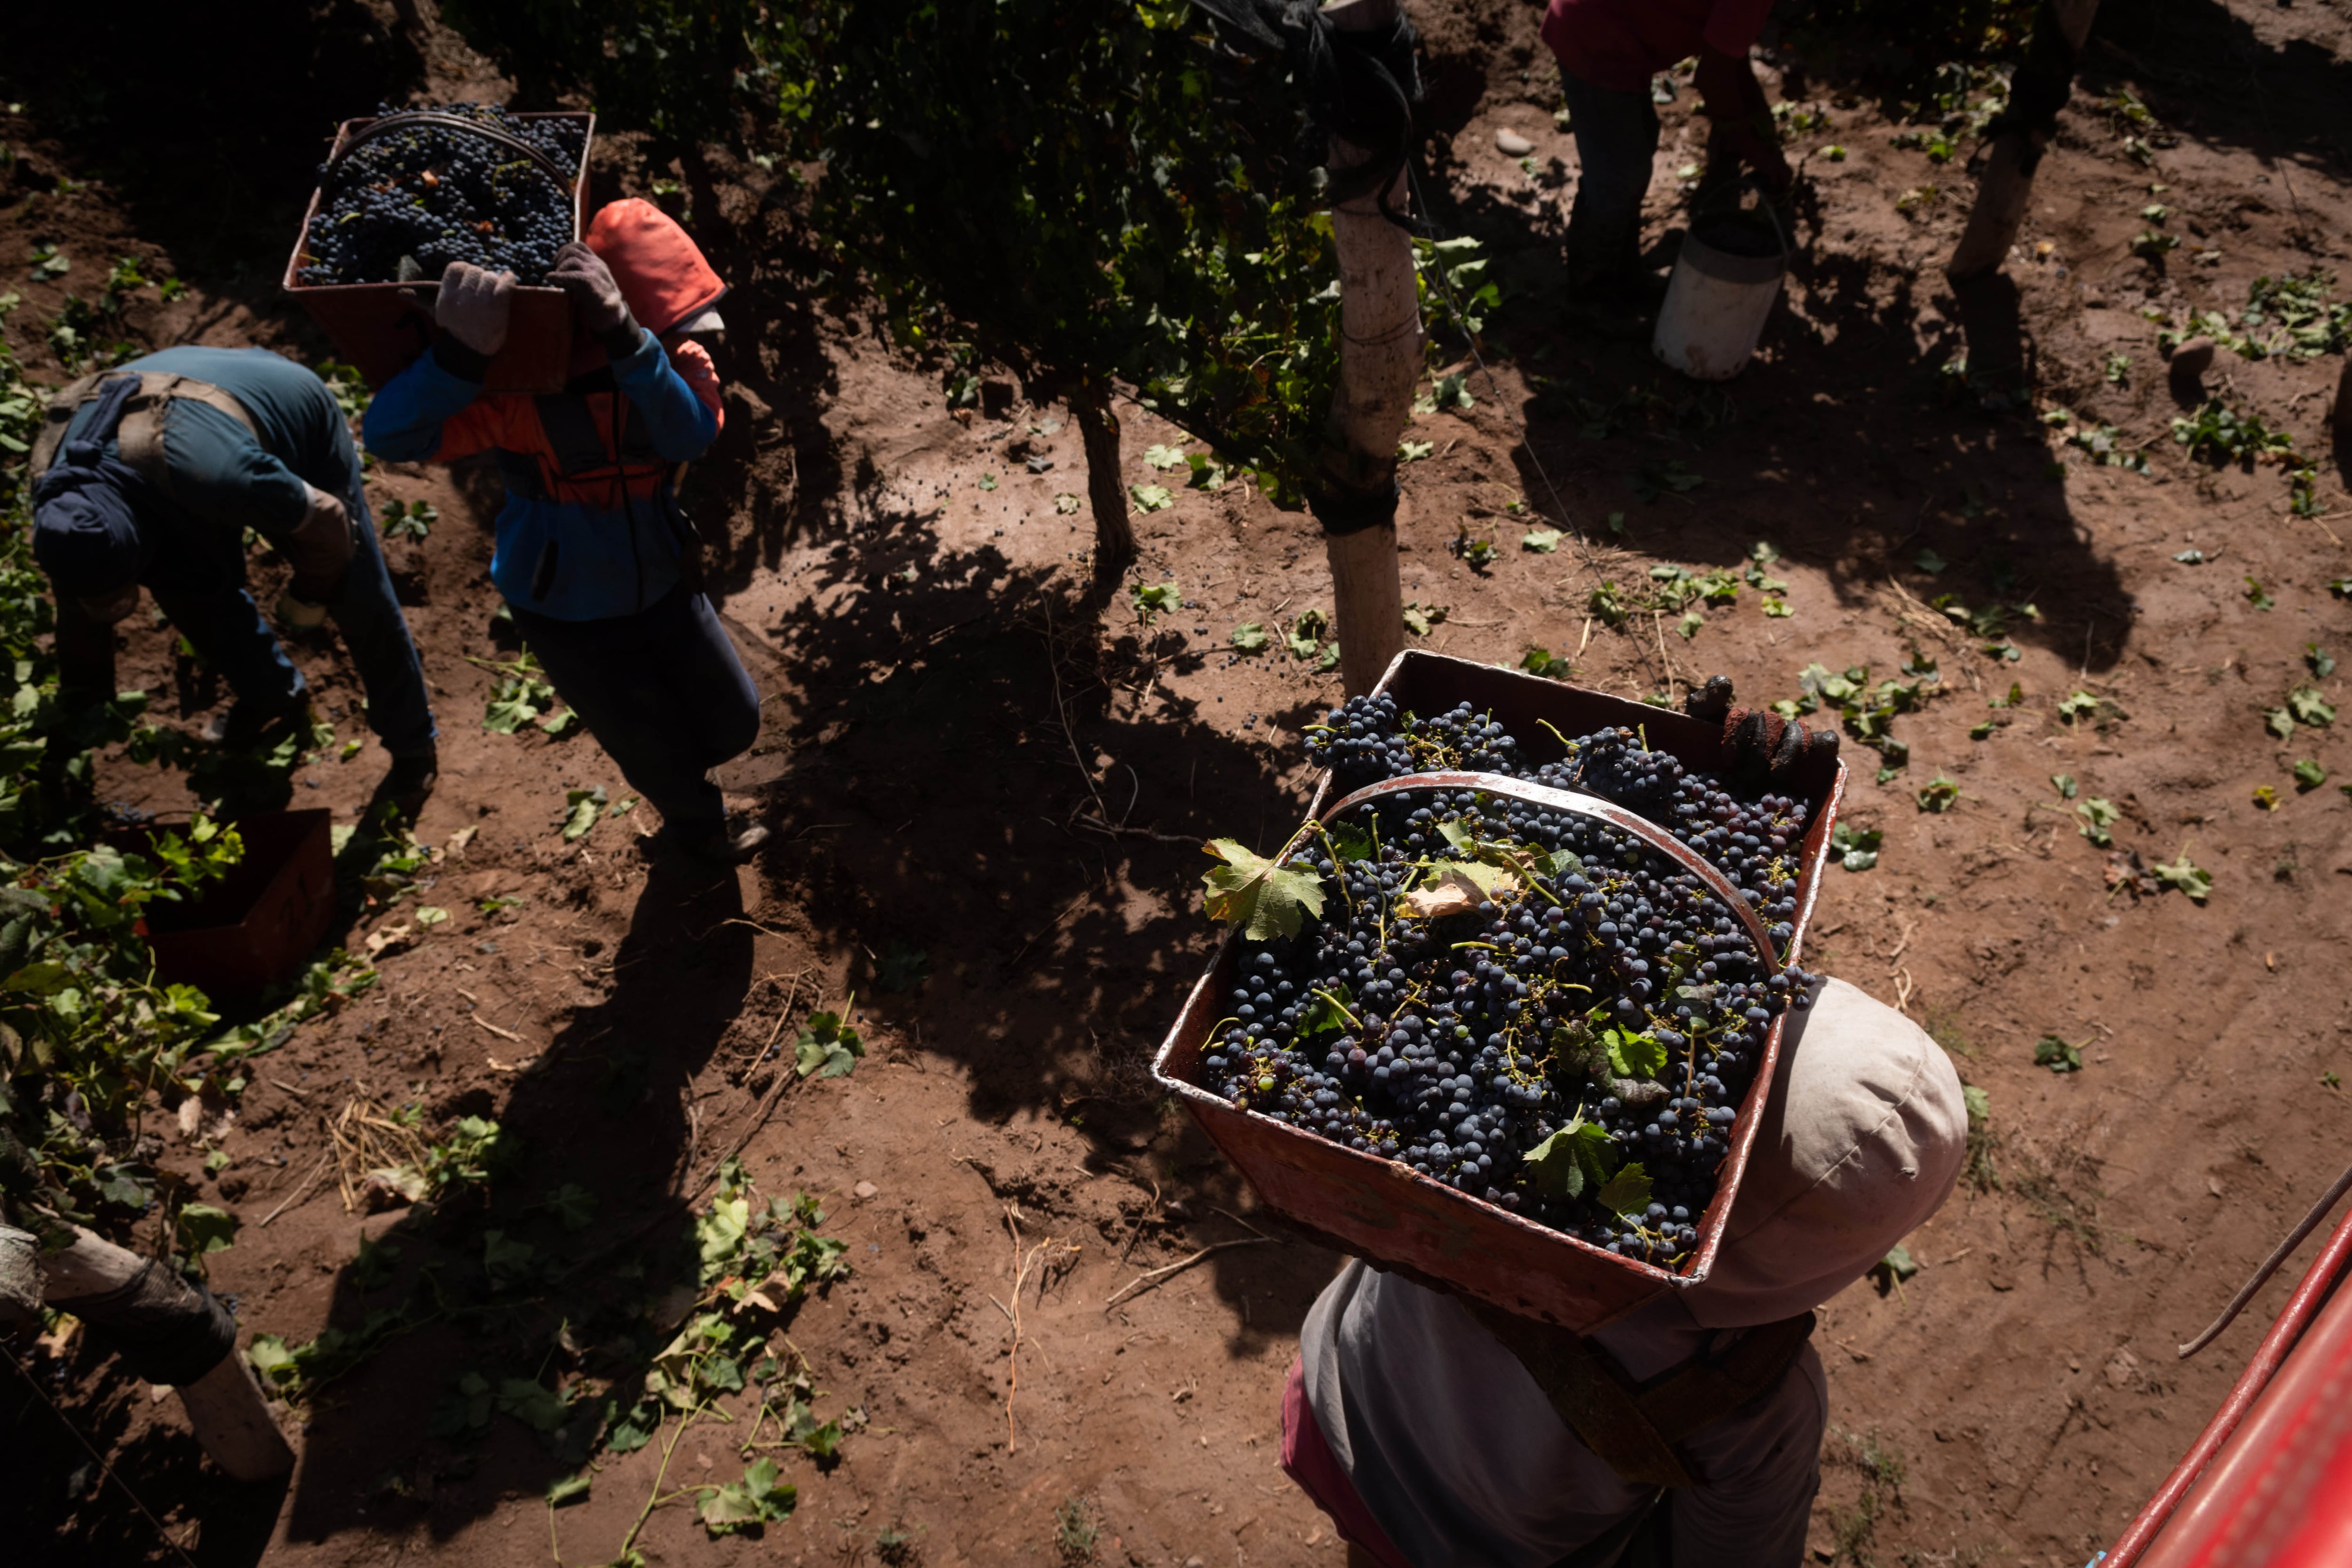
pixel 297 614
pixel 1759 745
pixel 1734 100
pixel 473 306
pixel 106 609
pixel 604 313
pixel 321 549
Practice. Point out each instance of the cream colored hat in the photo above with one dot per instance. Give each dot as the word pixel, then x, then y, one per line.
pixel 1863 1137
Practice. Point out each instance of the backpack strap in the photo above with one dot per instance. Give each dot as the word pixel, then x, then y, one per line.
pixel 139 435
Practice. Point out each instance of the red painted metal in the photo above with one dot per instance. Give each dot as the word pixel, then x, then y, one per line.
pixel 1383 1210
pixel 380 327
pixel 2256 1466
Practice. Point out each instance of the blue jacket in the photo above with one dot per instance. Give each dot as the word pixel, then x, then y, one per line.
pixel 589 528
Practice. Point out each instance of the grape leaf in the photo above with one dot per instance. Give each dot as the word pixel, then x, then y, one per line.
pixel 1457 887
pixel 1327 1013
pixel 1352 842
pixel 1259 895
pixel 758 1498
pixel 1578 1154
pixel 2308 707
pixel 1151 498
pixel 826 1047
pixel 581 816
pixel 205 1229
pixel 567 1490
pixel 2057 1055
pixel 1628 1192
pixel 1541 541
pixel 2191 879
pixel 1250 636
pixel 1164 458
pixel 1634 1056
pixel 1461 837
pixel 532 1403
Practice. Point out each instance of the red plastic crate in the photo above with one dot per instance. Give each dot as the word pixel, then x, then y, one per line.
pixel 259 924
pixel 1384 1211
pixel 381 328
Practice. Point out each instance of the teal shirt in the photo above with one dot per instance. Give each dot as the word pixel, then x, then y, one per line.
pixel 228 477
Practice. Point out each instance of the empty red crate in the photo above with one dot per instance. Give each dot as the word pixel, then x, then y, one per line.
pixel 1381 1209
pixel 259 924
pixel 379 328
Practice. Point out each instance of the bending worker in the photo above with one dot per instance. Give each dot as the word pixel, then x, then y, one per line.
pixel 149 476
pixel 1609 50
pixel 594 556
pixel 1432 1445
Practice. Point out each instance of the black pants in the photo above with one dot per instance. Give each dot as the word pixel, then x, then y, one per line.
pixel 662 692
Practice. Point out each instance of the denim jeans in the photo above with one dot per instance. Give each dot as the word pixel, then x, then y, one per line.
pixel 197 577
pixel 664 694
pixel 1616 145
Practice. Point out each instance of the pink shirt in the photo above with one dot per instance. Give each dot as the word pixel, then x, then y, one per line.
pixel 1621 43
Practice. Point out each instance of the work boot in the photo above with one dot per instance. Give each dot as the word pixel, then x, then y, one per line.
pixel 716 845
pixel 410 784
pixel 248 723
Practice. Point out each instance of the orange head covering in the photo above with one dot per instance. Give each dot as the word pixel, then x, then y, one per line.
pixel 661 272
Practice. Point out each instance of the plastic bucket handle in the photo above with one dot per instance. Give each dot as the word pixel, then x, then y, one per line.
pixel 1579 805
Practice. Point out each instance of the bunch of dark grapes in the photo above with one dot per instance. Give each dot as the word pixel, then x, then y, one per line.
pixel 412 201
pixel 1595 988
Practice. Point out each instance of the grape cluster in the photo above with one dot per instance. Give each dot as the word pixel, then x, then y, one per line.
pixel 431 194
pixel 1594 989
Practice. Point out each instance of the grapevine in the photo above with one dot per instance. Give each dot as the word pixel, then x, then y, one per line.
pixel 1528 1005
pixel 406 203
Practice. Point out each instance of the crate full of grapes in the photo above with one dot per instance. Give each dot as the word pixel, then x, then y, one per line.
pixel 1502 1014
pixel 407 192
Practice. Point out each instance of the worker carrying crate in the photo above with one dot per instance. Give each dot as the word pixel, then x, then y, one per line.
pixel 595 556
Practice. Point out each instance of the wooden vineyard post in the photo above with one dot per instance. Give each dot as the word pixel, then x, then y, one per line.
pixel 2008 183
pixel 1380 353
pixel 224 1407
pixel 1099 434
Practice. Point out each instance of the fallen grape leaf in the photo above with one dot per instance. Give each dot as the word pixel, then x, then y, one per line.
pixel 1541 541
pixel 1067 504
pixel 826 1047
pixel 758 1498
pixel 582 805
pixel 1164 458
pixel 1261 896
pixel 1151 498
pixel 2191 879
pixel 2057 1055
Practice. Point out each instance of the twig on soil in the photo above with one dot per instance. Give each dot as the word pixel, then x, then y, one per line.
pixel 1023 1261
pixel 1154 1276
pixel 1014 961
pixel 289 1088
pixel 295 1196
pixel 2279 1255
pixel 1125 832
pixel 480 1022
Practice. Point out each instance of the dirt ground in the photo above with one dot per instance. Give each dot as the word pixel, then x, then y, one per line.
pixel 948 705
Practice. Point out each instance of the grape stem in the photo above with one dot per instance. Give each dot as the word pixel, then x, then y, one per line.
pixel 1339 1005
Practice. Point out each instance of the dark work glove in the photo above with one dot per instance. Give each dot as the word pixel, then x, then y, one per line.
pixel 1760 747
pixel 596 296
pixel 1710 701
pixel 1744 131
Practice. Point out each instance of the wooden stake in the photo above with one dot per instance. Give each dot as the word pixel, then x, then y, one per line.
pixel 2008 183
pixel 1099 432
pixel 224 1407
pixel 1380 352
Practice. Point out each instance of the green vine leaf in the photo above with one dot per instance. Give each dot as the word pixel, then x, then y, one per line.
pixel 1263 897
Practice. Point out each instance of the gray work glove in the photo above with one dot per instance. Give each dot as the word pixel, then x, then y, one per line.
pixel 473 306
pixel 604 312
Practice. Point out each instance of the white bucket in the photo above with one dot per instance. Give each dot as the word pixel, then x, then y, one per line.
pixel 1718 299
